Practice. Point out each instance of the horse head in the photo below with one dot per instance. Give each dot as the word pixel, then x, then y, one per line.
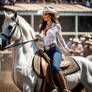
pixel 14 28
pixel 9 30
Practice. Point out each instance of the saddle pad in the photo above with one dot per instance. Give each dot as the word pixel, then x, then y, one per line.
pixel 73 66
pixel 42 68
pixel 40 63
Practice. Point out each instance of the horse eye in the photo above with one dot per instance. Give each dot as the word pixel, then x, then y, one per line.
pixel 51 7
pixel 9 27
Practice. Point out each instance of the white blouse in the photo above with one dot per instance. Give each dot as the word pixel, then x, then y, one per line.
pixel 53 36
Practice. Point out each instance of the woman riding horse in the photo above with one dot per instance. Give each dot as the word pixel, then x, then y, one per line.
pixel 50 31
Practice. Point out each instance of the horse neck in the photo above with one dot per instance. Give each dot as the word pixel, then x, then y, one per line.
pixel 29 47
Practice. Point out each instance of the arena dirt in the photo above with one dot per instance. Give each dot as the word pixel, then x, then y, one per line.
pixel 6 83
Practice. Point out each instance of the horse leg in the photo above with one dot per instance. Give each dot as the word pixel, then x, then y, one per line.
pixel 27 88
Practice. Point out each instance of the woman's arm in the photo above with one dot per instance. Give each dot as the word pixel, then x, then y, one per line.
pixel 61 41
pixel 39 37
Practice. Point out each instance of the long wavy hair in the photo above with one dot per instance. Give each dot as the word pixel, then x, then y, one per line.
pixel 44 23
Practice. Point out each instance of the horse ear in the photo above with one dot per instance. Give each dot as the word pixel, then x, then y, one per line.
pixel 15 15
pixel 6 14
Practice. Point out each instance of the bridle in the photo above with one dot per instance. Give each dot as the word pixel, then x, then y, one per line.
pixel 9 37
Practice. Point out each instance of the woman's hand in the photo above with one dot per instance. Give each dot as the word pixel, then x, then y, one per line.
pixel 36 39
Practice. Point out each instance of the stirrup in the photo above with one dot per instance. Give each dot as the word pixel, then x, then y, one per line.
pixel 66 90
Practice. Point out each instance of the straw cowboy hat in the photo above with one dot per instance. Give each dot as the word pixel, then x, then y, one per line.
pixel 82 39
pixel 70 39
pixel 88 42
pixel 87 36
pixel 48 9
pixel 76 40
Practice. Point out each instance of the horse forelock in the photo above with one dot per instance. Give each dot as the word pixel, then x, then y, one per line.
pixel 8 16
pixel 6 20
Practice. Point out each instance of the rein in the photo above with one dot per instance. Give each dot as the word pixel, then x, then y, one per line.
pixel 14 45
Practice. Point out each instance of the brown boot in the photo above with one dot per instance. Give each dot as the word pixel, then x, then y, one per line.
pixel 62 82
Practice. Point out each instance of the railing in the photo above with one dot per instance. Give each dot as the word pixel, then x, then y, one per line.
pixel 76 33
pixel 72 33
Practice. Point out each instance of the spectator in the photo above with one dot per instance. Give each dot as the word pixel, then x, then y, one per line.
pixel 35 1
pixel 27 1
pixel 88 48
pixel 84 38
pixel 22 0
pixel 70 42
pixel 4 1
pixel 56 1
pixel 77 47
pixel 86 3
pixel 11 2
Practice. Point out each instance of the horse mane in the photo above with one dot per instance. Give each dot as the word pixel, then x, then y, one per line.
pixel 7 18
pixel 27 24
pixel 30 29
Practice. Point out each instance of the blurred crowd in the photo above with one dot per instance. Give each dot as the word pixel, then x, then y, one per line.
pixel 81 46
pixel 12 2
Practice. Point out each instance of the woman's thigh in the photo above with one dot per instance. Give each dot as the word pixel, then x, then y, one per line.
pixel 56 59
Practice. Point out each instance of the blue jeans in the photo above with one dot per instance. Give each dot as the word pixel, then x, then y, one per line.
pixel 55 55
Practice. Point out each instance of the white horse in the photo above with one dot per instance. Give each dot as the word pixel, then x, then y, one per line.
pixel 19 30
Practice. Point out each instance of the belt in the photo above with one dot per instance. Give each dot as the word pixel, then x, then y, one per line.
pixel 50 46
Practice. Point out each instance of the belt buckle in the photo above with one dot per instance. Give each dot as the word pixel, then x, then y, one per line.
pixel 47 48
pixel 53 45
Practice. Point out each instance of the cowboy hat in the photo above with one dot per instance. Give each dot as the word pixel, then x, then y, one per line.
pixel 87 36
pixel 82 39
pixel 70 39
pixel 48 9
pixel 88 42
pixel 76 40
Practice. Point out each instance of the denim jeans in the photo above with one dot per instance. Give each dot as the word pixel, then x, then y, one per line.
pixel 55 55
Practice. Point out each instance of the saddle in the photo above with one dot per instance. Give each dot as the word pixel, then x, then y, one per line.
pixel 41 65
pixel 69 65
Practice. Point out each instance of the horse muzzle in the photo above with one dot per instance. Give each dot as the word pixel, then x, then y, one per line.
pixel 3 43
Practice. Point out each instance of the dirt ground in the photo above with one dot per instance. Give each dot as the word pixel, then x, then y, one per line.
pixel 6 83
